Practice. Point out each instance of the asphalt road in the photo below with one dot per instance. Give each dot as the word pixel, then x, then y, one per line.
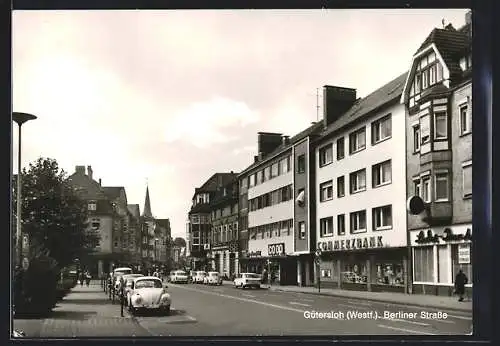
pixel 200 310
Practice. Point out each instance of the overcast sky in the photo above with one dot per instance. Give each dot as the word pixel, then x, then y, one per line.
pixel 174 96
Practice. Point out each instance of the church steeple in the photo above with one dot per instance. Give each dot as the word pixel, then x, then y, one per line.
pixel 147 205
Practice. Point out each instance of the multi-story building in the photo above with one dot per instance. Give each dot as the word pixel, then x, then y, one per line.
pixel 101 215
pixel 438 98
pixel 121 235
pixel 199 226
pixel 163 242
pixel 224 247
pixel 360 190
pixel 135 233
pixel 275 212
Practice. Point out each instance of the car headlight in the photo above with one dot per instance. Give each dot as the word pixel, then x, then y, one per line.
pixel 165 297
pixel 138 299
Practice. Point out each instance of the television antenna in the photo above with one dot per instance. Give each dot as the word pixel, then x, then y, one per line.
pixel 318 96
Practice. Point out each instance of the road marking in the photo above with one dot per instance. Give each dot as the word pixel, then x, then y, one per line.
pixel 461 317
pixel 405 330
pixel 306 300
pixel 353 306
pixel 246 300
pixel 445 321
pixel 359 303
pixel 301 304
pixel 406 321
pixel 247 295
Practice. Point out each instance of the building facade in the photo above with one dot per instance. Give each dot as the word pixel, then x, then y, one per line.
pixel 199 225
pixel 438 99
pixel 275 209
pixel 163 242
pixel 360 190
pixel 135 233
pixel 224 242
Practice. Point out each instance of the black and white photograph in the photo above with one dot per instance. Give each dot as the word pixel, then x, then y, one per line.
pixel 243 173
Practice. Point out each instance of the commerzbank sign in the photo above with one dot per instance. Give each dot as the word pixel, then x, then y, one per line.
pixel 351 244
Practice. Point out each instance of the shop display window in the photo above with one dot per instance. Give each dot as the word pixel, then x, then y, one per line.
pixel 423 264
pixel 326 273
pixel 355 273
pixel 456 266
pixel 389 274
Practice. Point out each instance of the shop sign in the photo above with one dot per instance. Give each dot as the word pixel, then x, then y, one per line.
pixel 255 254
pixel 352 244
pixel 463 253
pixel 276 249
pixel 448 235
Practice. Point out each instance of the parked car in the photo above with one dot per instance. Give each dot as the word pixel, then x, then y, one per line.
pixel 148 293
pixel 118 273
pixel 129 280
pixel 244 280
pixel 212 278
pixel 200 275
pixel 179 276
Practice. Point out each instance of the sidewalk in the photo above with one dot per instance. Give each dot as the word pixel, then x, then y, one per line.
pixel 84 312
pixel 420 300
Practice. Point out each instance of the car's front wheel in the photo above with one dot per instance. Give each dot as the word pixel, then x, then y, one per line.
pixel 166 310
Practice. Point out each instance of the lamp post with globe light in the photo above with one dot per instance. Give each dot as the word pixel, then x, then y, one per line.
pixel 20 119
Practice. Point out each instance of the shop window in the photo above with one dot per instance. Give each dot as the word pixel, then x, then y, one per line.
pixel 443 264
pixel 390 274
pixel 340 148
pixel 92 205
pixel 423 264
pixel 456 265
pixel 355 273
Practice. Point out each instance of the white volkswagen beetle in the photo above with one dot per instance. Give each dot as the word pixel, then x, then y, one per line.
pixel 148 293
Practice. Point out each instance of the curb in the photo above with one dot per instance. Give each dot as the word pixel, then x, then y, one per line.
pixel 376 300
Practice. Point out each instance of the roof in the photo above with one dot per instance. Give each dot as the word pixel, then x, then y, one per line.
pixel 213 182
pixel 134 209
pixel 113 192
pixel 200 208
pixel 364 106
pixel 450 43
pixel 314 129
pixel 165 223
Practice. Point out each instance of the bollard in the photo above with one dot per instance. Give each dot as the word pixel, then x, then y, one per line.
pixel 122 301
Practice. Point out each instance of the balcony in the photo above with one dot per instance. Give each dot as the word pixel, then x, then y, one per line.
pixel 438 213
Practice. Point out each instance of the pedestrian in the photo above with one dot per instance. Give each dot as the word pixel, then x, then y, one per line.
pixel 87 279
pixel 264 277
pixel 82 278
pixel 273 277
pixel 460 281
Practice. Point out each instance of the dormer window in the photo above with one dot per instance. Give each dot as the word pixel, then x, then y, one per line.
pixel 466 62
pixel 427 73
pixel 92 205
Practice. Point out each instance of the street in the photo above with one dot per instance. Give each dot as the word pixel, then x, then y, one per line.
pixel 200 310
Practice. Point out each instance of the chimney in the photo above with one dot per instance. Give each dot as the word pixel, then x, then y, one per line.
pixel 285 140
pixel 267 142
pixel 336 101
pixel 255 159
pixel 80 170
pixel 90 173
pixel 468 17
pixel 261 155
pixel 100 182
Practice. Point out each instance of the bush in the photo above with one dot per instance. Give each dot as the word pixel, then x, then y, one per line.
pixel 37 292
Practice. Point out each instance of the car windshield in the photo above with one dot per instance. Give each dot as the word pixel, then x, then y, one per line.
pixel 180 273
pixel 202 274
pixel 214 274
pixel 123 271
pixel 148 284
pixel 252 276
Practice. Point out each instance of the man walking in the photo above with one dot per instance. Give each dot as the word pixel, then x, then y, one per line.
pixel 460 282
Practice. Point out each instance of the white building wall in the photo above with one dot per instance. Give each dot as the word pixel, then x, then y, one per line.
pixel 262 244
pixel 394 193
pixel 270 185
pixel 278 212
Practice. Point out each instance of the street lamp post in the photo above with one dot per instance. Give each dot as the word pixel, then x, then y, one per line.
pixel 20 119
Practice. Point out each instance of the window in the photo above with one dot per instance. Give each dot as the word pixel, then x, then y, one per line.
pixel 302 230
pixel 340 186
pixel 432 75
pixel 425 132
pixel 95 224
pixel 417 188
pixel 426 189
pixel 326 191
pixel 326 226
pixel 260 177
pixel 326 155
pixel 301 197
pixel 441 184
pixel 440 125
pixel 195 219
pixel 92 205
pixel 358 221
pixel 267 173
pixel 382 218
pixel 465 120
pixel 358 181
pixel 340 148
pixel 275 170
pixel 326 273
pixel 357 141
pixel 389 274
pixel 251 181
pixel 443 262
pixel 301 164
pixel 341 224
pixel 276 229
pixel 286 193
pixel 381 174
pixel 423 264
pixel 467 179
pixel 284 163
pixel 244 183
pixel 455 266
pixel 416 138
pixel 381 129
pixel 355 272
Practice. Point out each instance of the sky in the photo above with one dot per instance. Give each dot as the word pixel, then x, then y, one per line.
pixel 168 98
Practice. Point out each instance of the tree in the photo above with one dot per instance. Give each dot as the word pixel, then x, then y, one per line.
pixel 54 218
pixel 180 242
